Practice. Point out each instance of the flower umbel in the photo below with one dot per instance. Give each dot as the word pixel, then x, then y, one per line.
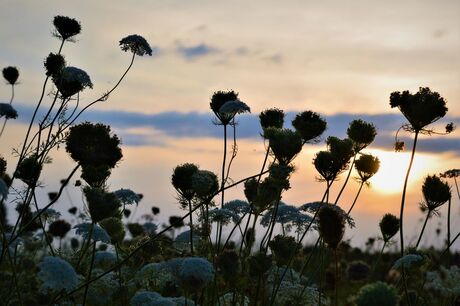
pixel 136 44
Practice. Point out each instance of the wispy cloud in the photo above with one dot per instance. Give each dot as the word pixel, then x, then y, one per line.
pixel 198 125
pixel 200 50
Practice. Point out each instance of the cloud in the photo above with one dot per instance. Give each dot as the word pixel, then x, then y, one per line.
pixel 199 125
pixel 197 51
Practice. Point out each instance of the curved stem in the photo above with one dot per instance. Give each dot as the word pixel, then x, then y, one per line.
pixel 403 198
pixel 346 180
pixel 356 198
pixel 11 101
pixel 448 220
pixel 423 229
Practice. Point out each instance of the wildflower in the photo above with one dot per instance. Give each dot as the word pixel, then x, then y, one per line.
pixel 136 44
pixel 294 293
pixel 102 291
pixel 389 226
pixel 452 173
pixel 234 107
pixel 48 214
pixel 11 74
pixel 358 270
pixel 399 146
pixel 155 210
pixel 331 225
pixel 101 204
pixel 57 275
pixel 283 248
pixel 421 108
pixel 195 273
pixel 150 227
pixel 97 233
pixel 181 179
pixel 377 294
pixel 66 27
pixel 259 264
pixel 238 207
pixel 361 133
pixel 136 229
pixel 54 64
pixel 7 111
pixel 218 99
pixel 285 143
pixel 342 149
pixel 127 196
pixel 250 190
pixel 284 214
pixel 271 117
pixel 309 125
pixel 222 215
pixel 90 143
pixel 184 237
pixel 281 173
pixel 29 170
pixel 71 81
pixel 366 166
pixel 445 282
pixel 104 259
pixel 59 228
pixel 176 221
pixel 114 228
pixel 436 192
pixel 268 191
pixel 205 184
pixel 408 261
pixel 228 265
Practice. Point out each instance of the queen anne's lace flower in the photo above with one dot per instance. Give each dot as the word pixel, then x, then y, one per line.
pixel 57 274
pixel 136 44
pixel 234 107
pixel 72 80
pixel 222 215
pixel 7 111
pixel 195 273
pixel 238 207
pixel 127 196
pixel 104 259
pixel 446 282
pixel 408 261
pixel 98 233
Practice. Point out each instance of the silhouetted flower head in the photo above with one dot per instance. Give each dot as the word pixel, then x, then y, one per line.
pixel 93 144
pixel 250 189
pixel 309 125
pixel 362 134
pixel 399 146
pixel 283 249
pixel 272 117
pixel 184 237
pixel 222 215
pixel 450 127
pixel 327 165
pixel 377 294
pixel 366 166
pixel 218 99
pixel 421 108
pixel 181 179
pixel 136 229
pixel 101 204
pixel 95 175
pixel 389 226
pixel 452 173
pixel 66 27
pixel 435 191
pixel 341 148
pixel 2 165
pixel 195 273
pixel 259 264
pixel 56 275
pixel 176 221
pixel 114 228
pixel 8 111
pixel 233 108
pixel 228 265
pixel 136 44
pixel 238 207
pixel 126 212
pixel 285 214
pixel 268 191
pixel 205 184
pixel 54 64
pixel 104 259
pixel 331 225
pixel 155 210
pixel 11 74
pixel 127 196
pixel 358 270
pixel 72 80
pixel 59 228
pixel 281 173
pixel 284 143
pixel 28 170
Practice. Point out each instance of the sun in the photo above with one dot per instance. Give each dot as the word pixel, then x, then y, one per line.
pixel 393 166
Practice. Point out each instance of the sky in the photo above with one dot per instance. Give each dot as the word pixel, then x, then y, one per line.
pixel 340 59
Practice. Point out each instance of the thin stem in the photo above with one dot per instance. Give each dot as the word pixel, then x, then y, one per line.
pixel 356 198
pixel 374 266
pixel 403 198
pixel 89 273
pixel 423 229
pixel 191 226
pixel 336 300
pixel 223 165
pixel 346 180
pixel 448 220
pixel 48 242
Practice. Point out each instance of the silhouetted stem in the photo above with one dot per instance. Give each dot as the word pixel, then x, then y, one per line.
pixel 448 220
pixel 423 229
pixel 223 166
pixel 11 101
pixel 403 198
pixel 48 242
pixel 356 198
pixel 336 300
pixel 346 180
pixel 89 273
pixel 191 226
pixel 374 266
pixel 456 186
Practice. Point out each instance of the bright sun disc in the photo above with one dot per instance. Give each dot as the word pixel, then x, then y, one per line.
pixel 393 166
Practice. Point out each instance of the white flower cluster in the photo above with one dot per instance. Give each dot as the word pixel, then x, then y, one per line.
pixel 445 282
pixel 408 261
